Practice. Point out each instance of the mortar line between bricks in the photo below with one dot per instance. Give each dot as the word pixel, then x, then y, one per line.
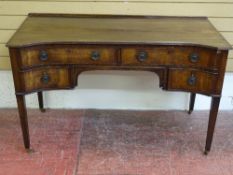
pixel 79 143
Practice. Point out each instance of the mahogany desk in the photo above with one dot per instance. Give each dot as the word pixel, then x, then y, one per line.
pixel 49 51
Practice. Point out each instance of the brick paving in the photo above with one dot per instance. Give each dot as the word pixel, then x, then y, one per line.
pixel 55 137
pixel 105 142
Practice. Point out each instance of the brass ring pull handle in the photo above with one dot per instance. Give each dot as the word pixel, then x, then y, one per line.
pixel 194 57
pixel 45 78
pixel 192 80
pixel 95 55
pixel 142 56
pixel 43 55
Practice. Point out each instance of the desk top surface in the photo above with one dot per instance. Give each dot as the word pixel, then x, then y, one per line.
pixel 109 29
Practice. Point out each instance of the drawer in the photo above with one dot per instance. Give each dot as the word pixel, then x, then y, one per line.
pixel 170 55
pixel 53 55
pixel 144 56
pixel 46 78
pixel 192 81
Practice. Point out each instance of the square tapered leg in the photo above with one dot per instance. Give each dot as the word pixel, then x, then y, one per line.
pixel 41 101
pixel 212 120
pixel 23 119
pixel 191 102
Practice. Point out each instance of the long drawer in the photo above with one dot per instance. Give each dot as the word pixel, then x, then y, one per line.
pixel 55 55
pixel 170 56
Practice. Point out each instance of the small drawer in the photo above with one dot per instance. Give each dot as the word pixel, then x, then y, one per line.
pixel 192 80
pixel 195 57
pixel 170 56
pixel 144 56
pixel 55 55
pixel 46 78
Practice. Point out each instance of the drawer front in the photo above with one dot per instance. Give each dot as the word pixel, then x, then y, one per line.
pixel 36 56
pixel 170 55
pixel 144 56
pixel 46 78
pixel 195 57
pixel 192 80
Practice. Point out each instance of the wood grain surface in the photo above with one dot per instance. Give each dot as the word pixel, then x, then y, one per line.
pixel 122 30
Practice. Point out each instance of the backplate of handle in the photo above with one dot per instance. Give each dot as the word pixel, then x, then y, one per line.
pixel 194 57
pixel 192 80
pixel 45 78
pixel 43 55
pixel 142 56
pixel 95 55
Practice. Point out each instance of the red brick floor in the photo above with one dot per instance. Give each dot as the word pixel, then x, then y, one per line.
pixel 55 137
pixel 115 143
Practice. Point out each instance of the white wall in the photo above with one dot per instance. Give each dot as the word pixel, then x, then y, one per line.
pixel 133 90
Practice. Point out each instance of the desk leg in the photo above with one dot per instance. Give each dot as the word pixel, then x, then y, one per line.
pixel 212 120
pixel 23 119
pixel 191 102
pixel 41 102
